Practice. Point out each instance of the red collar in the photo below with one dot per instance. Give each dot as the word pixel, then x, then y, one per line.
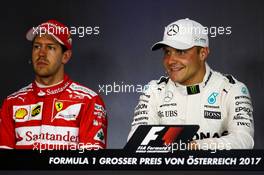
pixel 52 90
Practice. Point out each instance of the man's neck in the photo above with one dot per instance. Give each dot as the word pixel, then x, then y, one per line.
pixel 49 81
pixel 197 79
pixel 47 86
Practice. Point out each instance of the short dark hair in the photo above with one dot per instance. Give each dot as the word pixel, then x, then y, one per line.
pixel 63 48
pixel 199 49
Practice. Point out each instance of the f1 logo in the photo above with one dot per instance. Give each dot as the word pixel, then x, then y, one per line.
pixel 152 135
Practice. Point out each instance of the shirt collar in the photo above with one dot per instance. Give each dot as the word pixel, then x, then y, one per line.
pixel 196 88
pixel 42 90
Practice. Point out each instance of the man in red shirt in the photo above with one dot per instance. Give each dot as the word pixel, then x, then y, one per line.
pixel 53 111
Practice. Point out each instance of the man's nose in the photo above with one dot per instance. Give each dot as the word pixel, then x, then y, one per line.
pixel 43 51
pixel 172 59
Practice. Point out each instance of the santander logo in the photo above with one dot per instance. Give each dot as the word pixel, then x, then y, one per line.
pixel 68 137
pixel 58 90
pixel 47 134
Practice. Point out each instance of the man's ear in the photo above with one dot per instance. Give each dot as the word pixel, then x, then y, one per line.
pixel 204 52
pixel 66 56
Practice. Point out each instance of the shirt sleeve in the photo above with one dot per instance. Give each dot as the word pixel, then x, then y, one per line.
pixel 93 125
pixel 7 127
pixel 146 110
pixel 239 123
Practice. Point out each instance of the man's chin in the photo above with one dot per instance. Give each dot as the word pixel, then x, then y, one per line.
pixel 175 78
pixel 42 74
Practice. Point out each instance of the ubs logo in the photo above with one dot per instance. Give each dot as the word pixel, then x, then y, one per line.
pixel 173 30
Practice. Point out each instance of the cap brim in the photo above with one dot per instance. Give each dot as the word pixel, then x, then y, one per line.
pixel 173 44
pixel 31 34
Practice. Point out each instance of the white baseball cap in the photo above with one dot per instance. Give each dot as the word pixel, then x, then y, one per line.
pixel 183 34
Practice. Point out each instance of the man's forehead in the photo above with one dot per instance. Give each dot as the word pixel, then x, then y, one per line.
pixel 165 47
pixel 45 38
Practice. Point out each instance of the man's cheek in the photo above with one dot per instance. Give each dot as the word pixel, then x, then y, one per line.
pixel 164 63
pixel 165 67
pixel 175 76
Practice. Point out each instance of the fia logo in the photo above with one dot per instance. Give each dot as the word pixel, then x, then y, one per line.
pixel 212 98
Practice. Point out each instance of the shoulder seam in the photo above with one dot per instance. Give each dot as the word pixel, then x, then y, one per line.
pixel 80 88
pixel 21 91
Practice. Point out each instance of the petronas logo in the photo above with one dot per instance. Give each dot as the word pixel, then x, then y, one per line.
pixel 212 98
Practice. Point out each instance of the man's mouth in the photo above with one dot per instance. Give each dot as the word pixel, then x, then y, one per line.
pixel 42 63
pixel 175 67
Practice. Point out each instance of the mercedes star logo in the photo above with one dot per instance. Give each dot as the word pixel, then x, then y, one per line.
pixel 173 30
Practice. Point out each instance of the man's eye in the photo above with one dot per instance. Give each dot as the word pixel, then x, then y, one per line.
pixel 167 52
pixel 36 46
pixel 181 52
pixel 51 47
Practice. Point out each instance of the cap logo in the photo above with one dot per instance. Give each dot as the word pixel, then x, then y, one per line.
pixel 59 31
pixel 173 30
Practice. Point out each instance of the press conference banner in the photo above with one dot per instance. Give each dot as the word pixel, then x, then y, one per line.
pixel 113 159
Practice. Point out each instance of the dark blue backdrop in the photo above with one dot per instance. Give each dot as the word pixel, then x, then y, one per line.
pixel 121 52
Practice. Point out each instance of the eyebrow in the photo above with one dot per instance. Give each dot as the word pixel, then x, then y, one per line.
pixel 45 43
pixel 165 48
